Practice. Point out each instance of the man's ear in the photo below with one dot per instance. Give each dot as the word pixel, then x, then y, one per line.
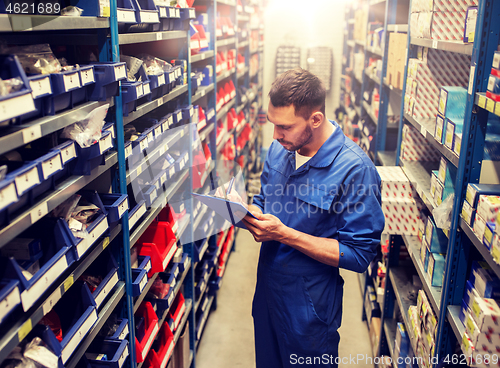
pixel 317 118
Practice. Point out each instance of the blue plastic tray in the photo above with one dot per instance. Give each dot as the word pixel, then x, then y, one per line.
pixel 107 77
pixel 115 205
pixel 10 297
pixel 116 353
pixel 136 213
pixel 104 264
pixel 139 281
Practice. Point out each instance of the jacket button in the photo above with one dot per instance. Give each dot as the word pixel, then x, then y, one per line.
pixel 342 254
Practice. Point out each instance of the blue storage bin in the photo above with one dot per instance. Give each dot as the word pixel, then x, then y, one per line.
pixel 56 258
pixel 184 263
pixel 140 149
pixel 49 162
pixel 128 150
pixel 214 284
pixel 87 80
pixel 20 102
pixel 156 83
pixel 9 197
pixel 92 8
pixel 160 178
pixel 40 89
pixel 115 205
pixel 173 269
pixel 25 176
pixel 116 353
pixel 147 96
pixel 144 263
pixel 67 91
pixel 187 113
pixel 136 213
pixel 121 332
pixel 186 14
pixel 139 281
pixel 146 11
pixel 199 248
pixel 161 306
pixel 68 155
pixel 95 230
pixel 107 77
pixel 77 313
pixel 106 267
pixel 147 127
pixel 126 11
pixel 131 92
pixel 149 194
pixel 201 284
pixel 181 162
pixel 10 297
pixel 85 167
pixel 104 144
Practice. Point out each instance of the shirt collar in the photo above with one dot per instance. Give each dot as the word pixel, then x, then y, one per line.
pixel 327 152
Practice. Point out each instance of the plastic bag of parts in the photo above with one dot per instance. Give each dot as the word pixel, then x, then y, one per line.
pixel 35 59
pixel 33 355
pixel 8 86
pixel 133 66
pixel 442 213
pixel 65 209
pixel 72 11
pixel 154 65
pixel 87 131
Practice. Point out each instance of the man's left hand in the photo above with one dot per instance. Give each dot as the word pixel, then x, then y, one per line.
pixel 266 228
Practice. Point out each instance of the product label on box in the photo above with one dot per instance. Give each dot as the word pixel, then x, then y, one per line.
pixel 51 166
pixel 27 180
pixel 163 178
pixel 150 137
pixel 123 356
pixel 143 144
pixel 439 129
pixel 146 88
pixel 16 106
pixel 161 80
pixel 157 132
pixel 78 336
pixel 467 212
pixel 30 296
pixel 171 171
pixel 120 72
pixel 487 237
pixel 438 197
pixel 122 207
pixel 40 87
pixel 105 143
pixel 68 153
pixel 106 289
pixel 93 235
pixel 143 282
pixel 7 195
pixel 128 151
pixel 71 81
pixel 171 12
pixel 163 12
pixel 87 76
pixel 9 302
pixel 124 333
pixel 442 101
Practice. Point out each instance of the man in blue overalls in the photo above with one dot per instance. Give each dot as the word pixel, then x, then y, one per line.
pixel 319 210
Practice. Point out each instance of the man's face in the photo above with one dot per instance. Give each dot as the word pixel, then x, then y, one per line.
pixel 291 131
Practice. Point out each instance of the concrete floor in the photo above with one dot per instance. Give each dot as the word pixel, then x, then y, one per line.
pixel 228 339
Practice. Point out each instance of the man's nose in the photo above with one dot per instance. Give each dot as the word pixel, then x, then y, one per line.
pixel 276 134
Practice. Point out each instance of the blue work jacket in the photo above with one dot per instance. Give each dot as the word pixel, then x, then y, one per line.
pixel 336 195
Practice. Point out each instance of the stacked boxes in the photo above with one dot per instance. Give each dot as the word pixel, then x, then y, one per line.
pixel 480 211
pixel 493 90
pixel 480 313
pixel 399 202
pixel 427 75
pixel 451 114
pixel 441 19
pixel 415 147
pixel 443 181
pixel 396 59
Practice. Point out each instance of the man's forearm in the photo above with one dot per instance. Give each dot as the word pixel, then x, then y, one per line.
pixel 323 250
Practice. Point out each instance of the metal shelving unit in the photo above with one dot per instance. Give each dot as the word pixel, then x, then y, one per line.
pixel 103 32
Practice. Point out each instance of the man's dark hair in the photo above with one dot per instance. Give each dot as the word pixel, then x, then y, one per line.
pixel 300 88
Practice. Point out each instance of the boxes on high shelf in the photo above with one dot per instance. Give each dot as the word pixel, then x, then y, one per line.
pixel 441 5
pixel 395 183
pixel 489 232
pixel 453 127
pixel 401 216
pixel 486 314
pixel 442 25
pixel 487 342
pixel 479 226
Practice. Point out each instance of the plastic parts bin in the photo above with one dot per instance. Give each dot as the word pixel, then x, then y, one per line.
pixel 139 281
pixel 106 266
pixel 107 80
pixel 158 242
pixel 115 205
pixel 143 343
pixel 116 353
pixel 10 297
pixel 162 350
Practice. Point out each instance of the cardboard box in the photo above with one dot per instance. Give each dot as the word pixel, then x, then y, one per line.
pixel 489 231
pixel 495 249
pixel 440 128
pixel 488 207
pixel 442 5
pixel 442 25
pixel 487 342
pixel 395 183
pixel 484 280
pixel 435 239
pixel 396 59
pixel 470 24
pixel 452 101
pixel 479 226
pixel 453 126
pixel 486 315
pixel 468 213
pixel 435 270
pixel 476 190
pixel 457 143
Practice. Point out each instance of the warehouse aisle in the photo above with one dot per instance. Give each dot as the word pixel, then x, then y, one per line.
pixel 228 338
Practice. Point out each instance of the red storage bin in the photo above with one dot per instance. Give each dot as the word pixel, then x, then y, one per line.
pixel 151 322
pixel 159 355
pixel 159 243
pixel 232 119
pixel 177 310
pixel 168 214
